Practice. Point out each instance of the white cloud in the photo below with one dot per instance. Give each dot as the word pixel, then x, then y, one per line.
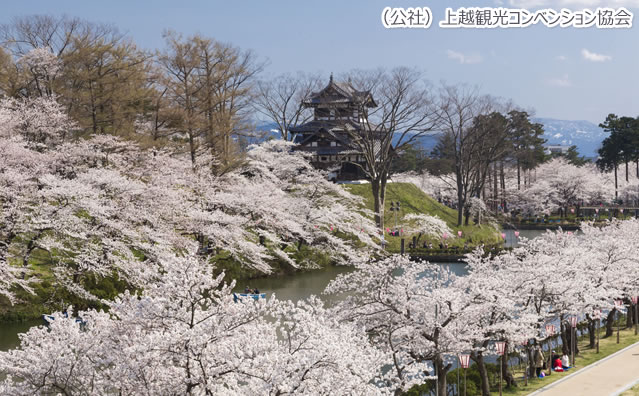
pixel 528 4
pixel 573 4
pixel 464 58
pixel 562 82
pixel 593 57
pixel 562 58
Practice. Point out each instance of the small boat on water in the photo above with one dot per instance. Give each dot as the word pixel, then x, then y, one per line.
pixel 237 296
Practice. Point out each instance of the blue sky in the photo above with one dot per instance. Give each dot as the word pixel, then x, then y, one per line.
pixel 537 67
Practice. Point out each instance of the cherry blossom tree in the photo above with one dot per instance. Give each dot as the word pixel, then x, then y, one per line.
pixel 609 266
pixel 559 184
pixel 495 310
pixel 41 121
pixel 104 207
pixel 185 335
pixel 422 224
pixel 413 312
pixel 39 67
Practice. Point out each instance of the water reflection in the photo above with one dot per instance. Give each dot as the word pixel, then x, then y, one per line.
pixel 9 333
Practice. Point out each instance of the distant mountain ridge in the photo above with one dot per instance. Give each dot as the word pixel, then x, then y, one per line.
pixel 583 134
pixel 586 135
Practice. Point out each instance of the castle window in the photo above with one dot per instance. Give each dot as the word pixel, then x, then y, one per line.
pixel 333 144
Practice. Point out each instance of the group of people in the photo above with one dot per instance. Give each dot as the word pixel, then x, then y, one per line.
pixel 559 364
pixel 442 245
pixel 248 290
pixel 448 202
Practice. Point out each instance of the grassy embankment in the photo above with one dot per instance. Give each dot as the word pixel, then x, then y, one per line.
pixel 49 296
pixel 414 200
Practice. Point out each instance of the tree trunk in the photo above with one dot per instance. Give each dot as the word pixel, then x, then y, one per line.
pixel 532 370
pixel 565 339
pixel 192 147
pixel 442 370
pixel 496 189
pixel 592 333
pixel 518 176
pixel 378 206
pixel 507 376
pixel 483 190
pixel 609 323
pixel 626 170
pixel 460 206
pixel 382 198
pixel 478 358
pixel 616 184
pixel 503 181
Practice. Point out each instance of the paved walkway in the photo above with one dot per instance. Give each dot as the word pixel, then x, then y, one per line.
pixel 609 376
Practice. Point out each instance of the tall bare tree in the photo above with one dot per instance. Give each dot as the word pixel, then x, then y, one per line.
pixel 100 75
pixel 457 110
pixel 404 113
pixel 25 33
pixel 226 74
pixel 209 84
pixel 181 63
pixel 105 83
pixel 280 100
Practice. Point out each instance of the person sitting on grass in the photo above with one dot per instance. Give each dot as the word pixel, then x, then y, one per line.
pixel 557 366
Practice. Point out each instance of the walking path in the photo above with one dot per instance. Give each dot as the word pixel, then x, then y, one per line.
pixel 610 376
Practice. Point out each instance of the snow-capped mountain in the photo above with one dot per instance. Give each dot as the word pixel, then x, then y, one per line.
pixel 583 134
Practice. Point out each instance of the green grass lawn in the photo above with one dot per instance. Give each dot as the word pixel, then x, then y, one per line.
pixel 632 392
pixel 414 200
pixel 607 346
